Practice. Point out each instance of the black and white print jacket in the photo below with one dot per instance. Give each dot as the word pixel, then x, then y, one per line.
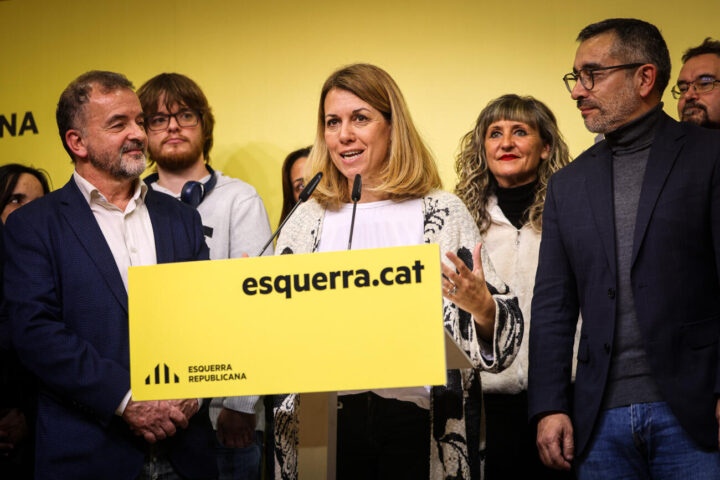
pixel 456 416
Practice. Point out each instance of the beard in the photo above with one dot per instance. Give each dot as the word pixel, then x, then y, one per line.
pixel 177 161
pixel 614 113
pixel 123 165
pixel 697 113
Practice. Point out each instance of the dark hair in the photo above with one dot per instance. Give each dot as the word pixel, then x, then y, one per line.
pixel 9 176
pixel 77 94
pixel 177 89
pixel 287 182
pixel 637 41
pixel 707 46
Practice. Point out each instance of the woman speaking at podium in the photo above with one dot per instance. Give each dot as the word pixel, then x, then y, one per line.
pixel 364 128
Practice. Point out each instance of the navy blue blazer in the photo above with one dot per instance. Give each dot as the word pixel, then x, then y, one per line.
pixel 674 278
pixel 69 314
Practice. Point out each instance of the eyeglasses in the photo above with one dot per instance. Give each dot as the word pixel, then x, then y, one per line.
pixel 184 118
pixel 587 75
pixel 701 85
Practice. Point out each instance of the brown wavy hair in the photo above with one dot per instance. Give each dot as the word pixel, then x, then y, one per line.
pixel 409 171
pixel 475 181
pixel 178 89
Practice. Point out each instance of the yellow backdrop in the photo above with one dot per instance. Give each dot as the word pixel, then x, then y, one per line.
pixel 262 63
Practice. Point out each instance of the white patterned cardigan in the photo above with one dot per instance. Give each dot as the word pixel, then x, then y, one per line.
pixel 456 417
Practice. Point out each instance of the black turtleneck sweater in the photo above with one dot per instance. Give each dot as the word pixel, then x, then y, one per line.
pixel 629 379
pixel 515 202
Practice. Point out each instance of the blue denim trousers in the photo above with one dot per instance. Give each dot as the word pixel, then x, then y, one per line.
pixel 241 463
pixel 644 441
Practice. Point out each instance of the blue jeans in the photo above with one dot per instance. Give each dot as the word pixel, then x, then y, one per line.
pixel 642 441
pixel 240 463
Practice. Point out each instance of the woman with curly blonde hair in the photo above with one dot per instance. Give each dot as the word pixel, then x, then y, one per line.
pixel 503 169
pixel 477 179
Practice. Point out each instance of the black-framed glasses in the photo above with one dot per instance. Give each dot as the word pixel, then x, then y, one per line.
pixel 701 85
pixel 184 118
pixel 587 75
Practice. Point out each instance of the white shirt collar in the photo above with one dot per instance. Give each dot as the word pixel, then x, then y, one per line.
pixel 91 193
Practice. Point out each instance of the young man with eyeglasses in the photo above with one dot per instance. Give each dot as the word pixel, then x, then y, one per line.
pixel 179 125
pixel 698 86
pixel 631 238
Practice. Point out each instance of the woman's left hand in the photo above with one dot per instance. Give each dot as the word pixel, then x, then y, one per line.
pixel 468 290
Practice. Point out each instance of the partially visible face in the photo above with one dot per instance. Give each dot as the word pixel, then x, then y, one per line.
pixel 700 108
pixel 357 137
pixel 175 148
pixel 27 189
pixel 513 151
pixel 114 133
pixel 612 100
pixel 296 176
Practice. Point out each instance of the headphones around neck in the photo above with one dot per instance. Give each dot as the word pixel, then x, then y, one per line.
pixel 192 193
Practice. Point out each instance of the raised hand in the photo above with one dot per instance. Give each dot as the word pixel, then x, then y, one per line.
pixel 468 290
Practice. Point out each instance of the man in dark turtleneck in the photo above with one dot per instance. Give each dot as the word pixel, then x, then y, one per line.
pixel 631 238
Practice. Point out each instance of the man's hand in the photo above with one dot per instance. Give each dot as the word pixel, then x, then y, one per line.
pixel 555 441
pixel 188 407
pixel 235 429
pixel 13 428
pixel 717 416
pixel 154 420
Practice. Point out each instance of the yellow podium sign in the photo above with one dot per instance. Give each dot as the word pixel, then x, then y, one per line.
pixel 291 323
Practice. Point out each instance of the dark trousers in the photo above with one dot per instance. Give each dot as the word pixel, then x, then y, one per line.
pixel 510 441
pixel 381 438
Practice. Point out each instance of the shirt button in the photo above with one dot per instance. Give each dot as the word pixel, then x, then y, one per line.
pixel 611 293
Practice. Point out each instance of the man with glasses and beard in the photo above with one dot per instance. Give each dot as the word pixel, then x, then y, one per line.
pixel 631 238
pixel 179 124
pixel 698 85
pixel 66 280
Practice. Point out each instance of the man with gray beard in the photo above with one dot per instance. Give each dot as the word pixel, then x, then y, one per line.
pixel 698 85
pixel 66 280
pixel 631 238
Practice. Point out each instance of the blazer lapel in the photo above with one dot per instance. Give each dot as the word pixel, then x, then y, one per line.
pixel 162 228
pixel 598 184
pixel 665 149
pixel 78 215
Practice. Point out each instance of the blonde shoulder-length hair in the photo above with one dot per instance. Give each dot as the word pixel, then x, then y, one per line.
pixel 475 181
pixel 409 171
